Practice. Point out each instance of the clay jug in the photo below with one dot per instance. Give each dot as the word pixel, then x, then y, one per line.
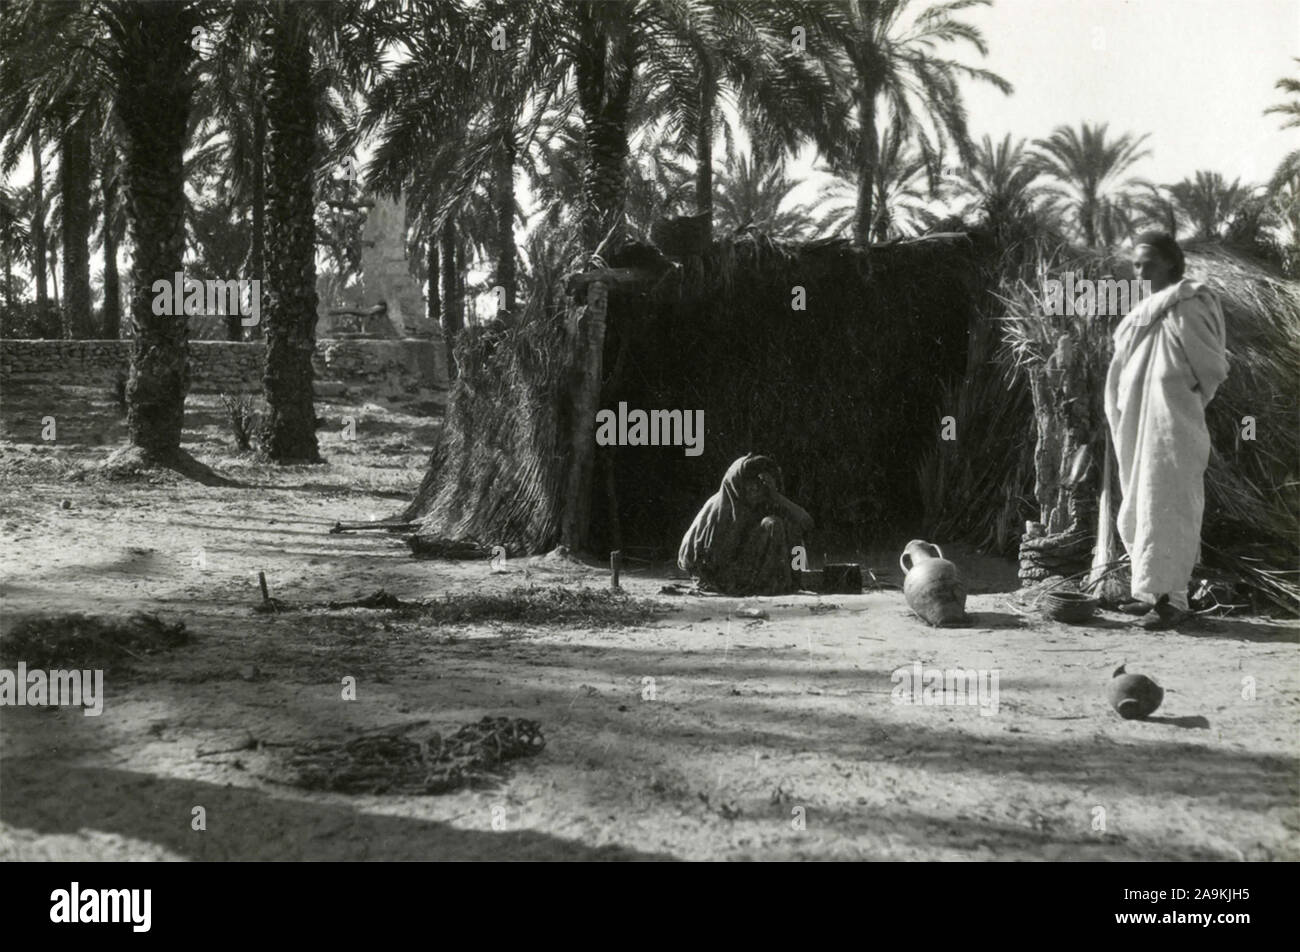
pixel 932 586
pixel 1133 696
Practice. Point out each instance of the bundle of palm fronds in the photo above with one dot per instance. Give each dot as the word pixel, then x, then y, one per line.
pixel 979 487
pixel 393 763
pixel 1031 337
pixel 496 474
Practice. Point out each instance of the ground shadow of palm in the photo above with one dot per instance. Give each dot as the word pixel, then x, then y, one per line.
pixel 244 824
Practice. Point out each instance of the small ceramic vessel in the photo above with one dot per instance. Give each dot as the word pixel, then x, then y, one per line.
pixel 932 585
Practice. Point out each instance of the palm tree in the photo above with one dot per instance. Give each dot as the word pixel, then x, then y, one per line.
pixel 903 190
pixel 681 51
pixel 289 304
pixel 74 191
pixel 306 46
pixel 231 110
pixel 51 70
pixel 1291 108
pixel 139 54
pixel 448 123
pixel 1284 186
pixel 136 55
pixel 896 73
pixel 603 44
pixel 1089 169
pixel 1284 202
pixel 101 206
pixel 230 101
pixel 150 61
pixel 64 78
pixel 903 187
pixel 77 208
pixel 1000 185
pixel 740 50
pixel 112 231
pixel 659 183
pixel 38 220
pixel 1208 202
pixel 754 194
pixel 1154 207
pixel 43 321
pixel 15 237
pixel 658 179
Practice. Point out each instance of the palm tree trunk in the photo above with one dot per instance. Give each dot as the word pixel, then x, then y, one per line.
pixel 153 100
pixel 704 145
pixel 1089 221
pixel 453 312
pixel 434 301
pixel 604 179
pixel 257 250
pixel 38 224
pixel 9 282
pixel 463 310
pixel 576 520
pixel 289 433
pixel 74 180
pixel 503 187
pixel 868 159
pixel 883 218
pixel 604 84
pixel 54 279
pixel 112 282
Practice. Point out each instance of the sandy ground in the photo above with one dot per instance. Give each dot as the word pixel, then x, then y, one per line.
pixel 703 735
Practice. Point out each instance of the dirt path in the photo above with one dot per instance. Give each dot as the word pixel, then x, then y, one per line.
pixel 704 735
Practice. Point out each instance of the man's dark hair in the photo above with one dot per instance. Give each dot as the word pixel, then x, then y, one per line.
pixel 1166 247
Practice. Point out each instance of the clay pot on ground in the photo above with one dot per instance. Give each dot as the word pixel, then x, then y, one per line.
pixel 932 585
pixel 1133 696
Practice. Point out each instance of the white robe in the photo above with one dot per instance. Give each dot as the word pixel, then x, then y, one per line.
pixel 1169 360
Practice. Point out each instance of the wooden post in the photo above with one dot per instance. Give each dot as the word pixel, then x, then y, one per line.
pixel 615 566
pixel 1106 549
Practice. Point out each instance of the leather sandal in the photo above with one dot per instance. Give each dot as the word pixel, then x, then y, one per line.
pixel 1163 616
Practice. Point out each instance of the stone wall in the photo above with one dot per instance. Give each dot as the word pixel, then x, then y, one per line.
pixel 365 368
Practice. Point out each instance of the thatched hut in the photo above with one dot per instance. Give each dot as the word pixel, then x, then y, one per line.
pixel 832 360
pixel 851 395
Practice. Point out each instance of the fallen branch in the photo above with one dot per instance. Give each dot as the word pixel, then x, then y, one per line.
pixel 376 599
pixel 363 526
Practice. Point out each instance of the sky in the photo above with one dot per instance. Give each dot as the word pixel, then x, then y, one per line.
pixel 1196 75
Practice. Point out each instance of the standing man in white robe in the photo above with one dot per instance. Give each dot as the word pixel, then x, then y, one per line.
pixel 1169 360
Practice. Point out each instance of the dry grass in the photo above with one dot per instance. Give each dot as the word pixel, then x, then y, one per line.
pixel 529 605
pixel 87 641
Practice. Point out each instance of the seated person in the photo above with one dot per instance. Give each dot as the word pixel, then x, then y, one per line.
pixel 740 542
